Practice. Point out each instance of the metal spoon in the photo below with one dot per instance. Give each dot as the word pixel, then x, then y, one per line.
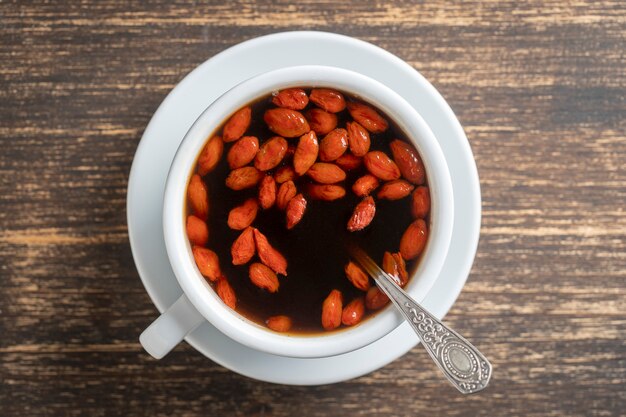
pixel 461 363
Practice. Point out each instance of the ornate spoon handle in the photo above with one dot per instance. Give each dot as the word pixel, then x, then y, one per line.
pixel 464 366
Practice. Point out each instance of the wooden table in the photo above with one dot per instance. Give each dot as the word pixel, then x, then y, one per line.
pixel 540 89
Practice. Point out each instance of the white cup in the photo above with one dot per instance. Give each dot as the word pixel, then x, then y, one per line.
pixel 200 302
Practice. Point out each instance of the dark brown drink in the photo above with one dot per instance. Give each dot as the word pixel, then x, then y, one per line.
pixel 314 247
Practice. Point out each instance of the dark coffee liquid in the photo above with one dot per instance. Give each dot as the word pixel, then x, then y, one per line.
pixel 315 248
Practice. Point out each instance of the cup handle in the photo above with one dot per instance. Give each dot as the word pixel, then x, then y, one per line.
pixel 170 328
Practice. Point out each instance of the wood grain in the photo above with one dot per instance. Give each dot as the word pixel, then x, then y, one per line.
pixel 540 88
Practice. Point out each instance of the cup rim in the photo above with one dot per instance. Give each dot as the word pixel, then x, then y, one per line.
pixel 200 293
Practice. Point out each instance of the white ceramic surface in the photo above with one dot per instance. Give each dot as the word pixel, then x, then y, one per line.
pixel 209 81
pixel 197 289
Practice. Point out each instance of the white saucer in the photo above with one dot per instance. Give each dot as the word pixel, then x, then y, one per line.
pixel 207 82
